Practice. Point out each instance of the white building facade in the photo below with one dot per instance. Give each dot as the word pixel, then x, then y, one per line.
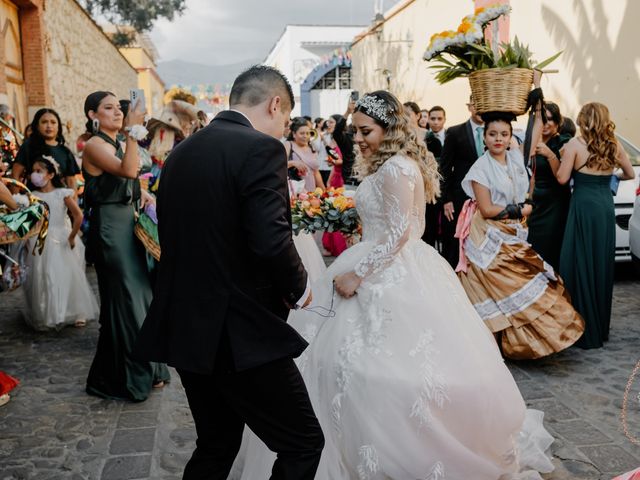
pixel 313 59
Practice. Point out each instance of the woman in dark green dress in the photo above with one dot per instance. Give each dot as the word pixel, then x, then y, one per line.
pixel 550 199
pixel 588 250
pixel 112 192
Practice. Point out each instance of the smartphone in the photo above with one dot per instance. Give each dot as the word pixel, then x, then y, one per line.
pixel 355 95
pixel 136 95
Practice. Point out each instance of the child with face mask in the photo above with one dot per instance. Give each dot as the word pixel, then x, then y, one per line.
pixel 57 291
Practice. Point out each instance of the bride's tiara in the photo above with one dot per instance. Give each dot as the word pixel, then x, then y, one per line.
pixel 374 107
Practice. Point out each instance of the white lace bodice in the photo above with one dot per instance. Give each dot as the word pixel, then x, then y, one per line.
pixel 391 206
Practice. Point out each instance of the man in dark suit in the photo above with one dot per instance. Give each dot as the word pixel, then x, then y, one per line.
pixel 435 142
pixel 462 147
pixel 228 276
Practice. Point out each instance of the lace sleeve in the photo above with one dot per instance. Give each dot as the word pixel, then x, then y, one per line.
pixel 397 179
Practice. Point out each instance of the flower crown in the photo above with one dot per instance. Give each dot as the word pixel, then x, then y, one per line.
pixel 52 161
pixel 374 107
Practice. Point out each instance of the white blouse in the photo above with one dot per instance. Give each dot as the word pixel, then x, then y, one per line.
pixel 507 183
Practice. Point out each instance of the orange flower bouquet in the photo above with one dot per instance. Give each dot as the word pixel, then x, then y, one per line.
pixel 324 210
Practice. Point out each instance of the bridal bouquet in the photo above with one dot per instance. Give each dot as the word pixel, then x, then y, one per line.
pixel 464 51
pixel 328 210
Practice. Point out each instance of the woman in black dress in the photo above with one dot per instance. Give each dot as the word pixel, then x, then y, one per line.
pixel 550 198
pixel 46 139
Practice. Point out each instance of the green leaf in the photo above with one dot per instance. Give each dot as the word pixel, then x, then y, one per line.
pixel 546 62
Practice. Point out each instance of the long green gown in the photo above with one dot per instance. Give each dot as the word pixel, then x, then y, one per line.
pixel 588 255
pixel 551 207
pixel 125 288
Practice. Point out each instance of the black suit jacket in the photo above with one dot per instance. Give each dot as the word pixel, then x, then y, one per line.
pixel 458 154
pixel 228 259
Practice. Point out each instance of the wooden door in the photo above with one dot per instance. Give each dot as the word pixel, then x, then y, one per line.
pixel 12 54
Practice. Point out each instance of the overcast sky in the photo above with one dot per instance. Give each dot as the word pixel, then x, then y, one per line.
pixel 218 32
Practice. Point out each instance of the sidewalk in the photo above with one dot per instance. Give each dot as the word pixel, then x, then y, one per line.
pixel 52 430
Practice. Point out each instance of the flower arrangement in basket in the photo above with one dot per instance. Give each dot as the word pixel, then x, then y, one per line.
pixel 28 221
pixel 146 229
pixel 324 210
pixel 500 75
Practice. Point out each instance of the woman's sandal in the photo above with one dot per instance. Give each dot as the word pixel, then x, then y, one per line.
pixel 4 399
pixel 81 322
pixel 159 384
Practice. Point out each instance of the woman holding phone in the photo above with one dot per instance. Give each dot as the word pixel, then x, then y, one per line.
pixel 112 195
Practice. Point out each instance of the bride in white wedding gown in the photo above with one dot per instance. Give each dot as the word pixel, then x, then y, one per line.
pixel 406 380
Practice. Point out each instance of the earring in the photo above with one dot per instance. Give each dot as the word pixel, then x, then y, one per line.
pixel 96 125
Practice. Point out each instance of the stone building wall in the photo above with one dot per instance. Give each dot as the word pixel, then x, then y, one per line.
pixel 80 60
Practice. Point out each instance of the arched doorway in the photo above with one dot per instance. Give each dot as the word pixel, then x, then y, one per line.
pixel 326 90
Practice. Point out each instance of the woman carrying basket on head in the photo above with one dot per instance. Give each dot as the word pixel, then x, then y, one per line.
pixel 518 295
pixel 112 193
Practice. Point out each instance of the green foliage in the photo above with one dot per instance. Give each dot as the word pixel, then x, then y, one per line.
pixel 461 61
pixel 139 14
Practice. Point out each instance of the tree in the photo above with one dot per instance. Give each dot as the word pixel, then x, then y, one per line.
pixel 139 14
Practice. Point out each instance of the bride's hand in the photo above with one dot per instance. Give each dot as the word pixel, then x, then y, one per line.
pixel 347 284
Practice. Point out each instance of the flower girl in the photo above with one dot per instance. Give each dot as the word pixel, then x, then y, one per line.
pixel 57 291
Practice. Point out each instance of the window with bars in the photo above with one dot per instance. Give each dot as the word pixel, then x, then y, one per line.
pixel 338 78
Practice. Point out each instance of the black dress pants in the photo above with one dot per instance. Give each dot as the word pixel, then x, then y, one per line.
pixel 450 244
pixel 432 234
pixel 271 399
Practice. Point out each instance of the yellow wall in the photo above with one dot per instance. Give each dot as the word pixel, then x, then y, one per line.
pixel 601 59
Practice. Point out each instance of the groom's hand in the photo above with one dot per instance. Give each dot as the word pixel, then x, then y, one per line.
pixel 306 303
pixel 309 300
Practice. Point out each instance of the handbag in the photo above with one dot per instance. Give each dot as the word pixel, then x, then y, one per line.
pixel 292 172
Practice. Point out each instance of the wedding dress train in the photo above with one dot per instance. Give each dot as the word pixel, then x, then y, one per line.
pixel 406 380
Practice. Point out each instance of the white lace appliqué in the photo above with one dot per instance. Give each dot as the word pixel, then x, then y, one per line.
pixel 393 215
pixel 368 465
pixel 437 472
pixel 434 389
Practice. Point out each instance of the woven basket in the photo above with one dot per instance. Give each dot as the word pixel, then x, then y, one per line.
pixel 7 235
pixel 149 243
pixel 501 89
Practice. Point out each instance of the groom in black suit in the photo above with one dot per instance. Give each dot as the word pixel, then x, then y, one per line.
pixel 228 276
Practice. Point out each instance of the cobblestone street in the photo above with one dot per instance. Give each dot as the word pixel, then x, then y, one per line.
pixel 52 430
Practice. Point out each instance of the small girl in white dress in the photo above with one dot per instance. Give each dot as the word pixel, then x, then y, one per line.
pixel 57 291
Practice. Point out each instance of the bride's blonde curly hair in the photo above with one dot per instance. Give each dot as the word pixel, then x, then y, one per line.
pixel 597 129
pixel 401 138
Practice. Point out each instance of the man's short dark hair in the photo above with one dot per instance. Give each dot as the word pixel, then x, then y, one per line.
pixel 259 83
pixel 438 108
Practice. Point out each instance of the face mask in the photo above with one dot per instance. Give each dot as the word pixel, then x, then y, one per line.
pixel 38 179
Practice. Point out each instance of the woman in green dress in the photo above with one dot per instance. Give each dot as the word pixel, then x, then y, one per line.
pixel 588 249
pixel 112 193
pixel 550 198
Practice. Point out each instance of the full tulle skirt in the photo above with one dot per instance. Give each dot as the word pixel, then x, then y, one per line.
pixel 407 381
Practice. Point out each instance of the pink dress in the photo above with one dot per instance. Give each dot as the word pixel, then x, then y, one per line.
pixel 335 242
pixel 310 159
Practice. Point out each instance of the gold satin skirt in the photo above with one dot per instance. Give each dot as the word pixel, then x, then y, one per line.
pixel 519 297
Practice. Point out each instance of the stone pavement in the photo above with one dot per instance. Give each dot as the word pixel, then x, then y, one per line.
pixel 52 430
